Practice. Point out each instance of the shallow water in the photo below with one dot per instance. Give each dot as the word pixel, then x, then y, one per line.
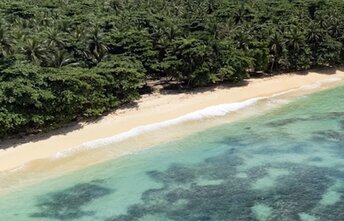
pixel 284 165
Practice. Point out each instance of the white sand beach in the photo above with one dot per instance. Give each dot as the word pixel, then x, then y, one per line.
pixel 152 109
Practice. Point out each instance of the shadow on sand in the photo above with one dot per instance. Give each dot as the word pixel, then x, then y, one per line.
pixel 163 89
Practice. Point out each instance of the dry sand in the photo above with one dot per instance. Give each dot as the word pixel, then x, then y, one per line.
pixel 152 109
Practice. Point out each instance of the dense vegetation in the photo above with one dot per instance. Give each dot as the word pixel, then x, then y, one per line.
pixel 65 59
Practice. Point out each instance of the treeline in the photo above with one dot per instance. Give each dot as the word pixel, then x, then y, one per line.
pixel 65 59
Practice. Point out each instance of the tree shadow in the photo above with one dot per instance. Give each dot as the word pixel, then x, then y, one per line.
pixel 20 139
pixel 80 123
pixel 202 89
pixel 319 70
pixel 163 90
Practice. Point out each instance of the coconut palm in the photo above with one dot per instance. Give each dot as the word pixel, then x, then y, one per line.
pixel 7 43
pixel 276 45
pixel 334 27
pixel 116 5
pixel 299 53
pixel 97 49
pixel 34 51
pixel 59 58
pixel 295 39
pixel 315 36
pixel 323 21
pixel 79 33
pixel 242 37
pixel 241 15
pixel 54 38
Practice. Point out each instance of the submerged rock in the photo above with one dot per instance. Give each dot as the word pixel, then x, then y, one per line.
pixel 66 204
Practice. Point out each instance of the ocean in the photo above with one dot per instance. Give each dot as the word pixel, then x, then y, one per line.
pixel 285 163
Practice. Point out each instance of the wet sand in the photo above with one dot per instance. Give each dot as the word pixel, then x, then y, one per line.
pixel 152 109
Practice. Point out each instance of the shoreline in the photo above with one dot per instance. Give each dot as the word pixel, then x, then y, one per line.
pixel 152 109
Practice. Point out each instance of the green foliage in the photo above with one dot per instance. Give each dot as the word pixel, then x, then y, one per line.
pixel 65 59
pixel 32 97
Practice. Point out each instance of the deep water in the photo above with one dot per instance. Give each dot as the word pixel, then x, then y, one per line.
pixel 285 165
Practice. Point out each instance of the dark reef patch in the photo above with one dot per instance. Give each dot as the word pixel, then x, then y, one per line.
pixel 327 116
pixel 329 136
pixel 243 140
pixel 175 174
pixel 277 149
pixel 233 141
pixel 315 159
pixel 333 212
pixel 284 122
pixel 183 198
pixel 67 204
pixel 298 192
pixel 312 117
pixel 341 124
pixel 331 139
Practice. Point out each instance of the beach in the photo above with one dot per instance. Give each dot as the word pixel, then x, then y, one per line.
pixel 269 157
pixel 154 108
pixel 171 111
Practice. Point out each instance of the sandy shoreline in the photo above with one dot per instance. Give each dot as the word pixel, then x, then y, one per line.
pixel 152 109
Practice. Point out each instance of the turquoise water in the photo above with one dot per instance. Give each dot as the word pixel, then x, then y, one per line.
pixel 285 165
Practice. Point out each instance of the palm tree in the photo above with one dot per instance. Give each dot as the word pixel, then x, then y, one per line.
pixel 227 28
pixel 7 43
pixel 323 21
pixel 299 53
pixel 44 19
pixel 54 38
pixel 97 49
pixel 116 5
pixel 171 32
pixel 315 36
pixel 242 37
pixel 241 15
pixel 64 2
pixel 334 27
pixel 34 51
pixel 18 34
pixel 77 33
pixel 59 58
pixel 295 39
pixel 275 42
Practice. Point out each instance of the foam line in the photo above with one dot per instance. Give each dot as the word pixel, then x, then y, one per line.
pixel 212 111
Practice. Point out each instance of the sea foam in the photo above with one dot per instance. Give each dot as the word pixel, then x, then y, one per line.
pixel 212 111
pixel 209 112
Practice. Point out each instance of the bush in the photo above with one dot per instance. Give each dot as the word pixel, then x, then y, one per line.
pixel 34 98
